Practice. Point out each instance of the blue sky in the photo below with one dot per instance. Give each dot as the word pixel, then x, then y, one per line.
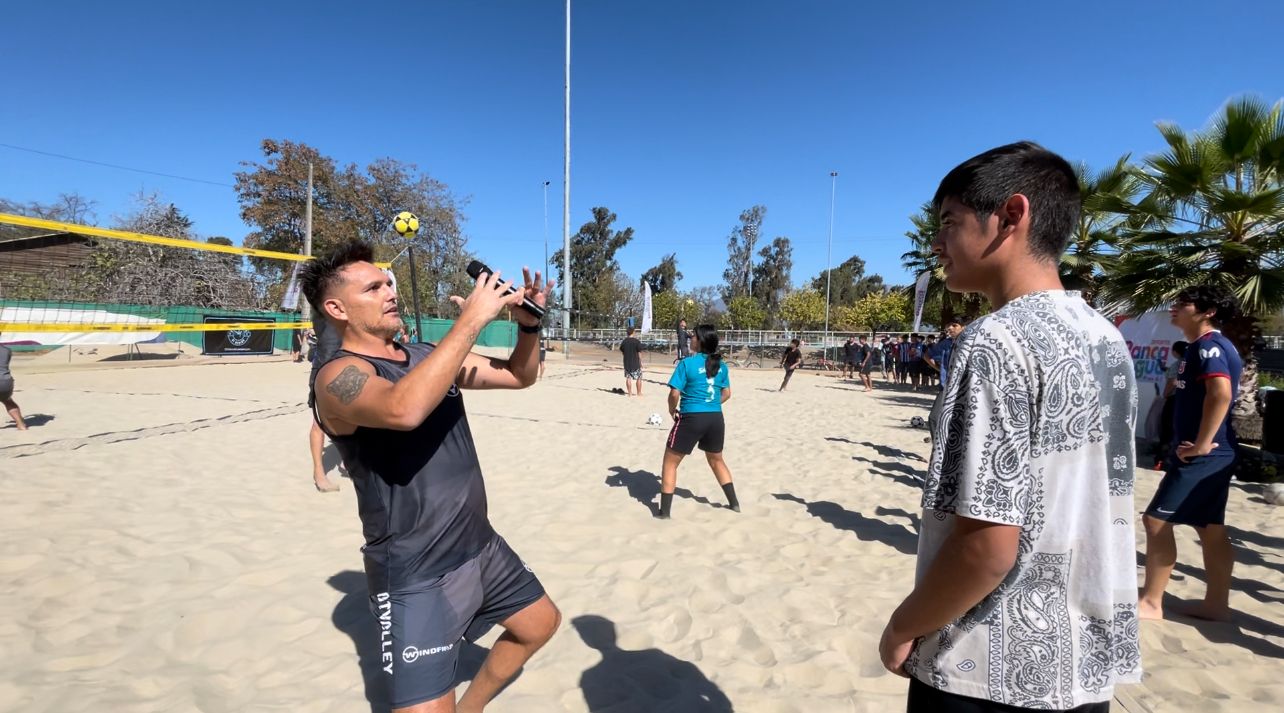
pixel 684 113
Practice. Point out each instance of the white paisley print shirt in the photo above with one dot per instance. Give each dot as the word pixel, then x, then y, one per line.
pixel 1037 431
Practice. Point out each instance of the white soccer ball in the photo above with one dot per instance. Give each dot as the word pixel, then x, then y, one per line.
pixel 654 420
pixel 1274 494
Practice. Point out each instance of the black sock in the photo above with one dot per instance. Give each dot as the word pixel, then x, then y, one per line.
pixel 666 503
pixel 730 491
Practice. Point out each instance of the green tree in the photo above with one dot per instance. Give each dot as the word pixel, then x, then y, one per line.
pixel 849 282
pixel 666 309
pixel 740 247
pixel 771 274
pixel 702 306
pixel 1212 213
pixel 593 265
pixel 349 202
pixel 877 311
pixel 743 313
pixel 664 276
pixel 803 309
pixel 1107 196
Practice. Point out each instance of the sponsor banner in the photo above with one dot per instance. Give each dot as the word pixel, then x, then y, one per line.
pixel 646 307
pixel 235 341
pixel 920 297
pixel 1150 338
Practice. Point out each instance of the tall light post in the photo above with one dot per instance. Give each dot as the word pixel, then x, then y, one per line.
pixel 546 229
pixel 566 198
pixel 829 250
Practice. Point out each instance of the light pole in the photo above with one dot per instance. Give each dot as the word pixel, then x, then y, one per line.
pixel 566 197
pixel 829 250
pixel 546 230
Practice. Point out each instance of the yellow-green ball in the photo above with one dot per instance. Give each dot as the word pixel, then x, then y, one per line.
pixel 406 224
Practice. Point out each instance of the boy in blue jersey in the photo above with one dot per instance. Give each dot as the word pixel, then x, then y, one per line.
pixel 1198 469
pixel 698 388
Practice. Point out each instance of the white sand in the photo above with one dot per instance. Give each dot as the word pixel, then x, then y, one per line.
pixel 162 549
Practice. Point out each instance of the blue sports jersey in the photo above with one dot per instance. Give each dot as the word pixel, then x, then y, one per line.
pixel 1212 356
pixel 700 394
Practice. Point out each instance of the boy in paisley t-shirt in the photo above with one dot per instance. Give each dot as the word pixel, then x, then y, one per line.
pixel 1026 594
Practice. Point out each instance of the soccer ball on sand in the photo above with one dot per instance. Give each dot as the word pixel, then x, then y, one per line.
pixel 1274 493
pixel 653 420
pixel 406 224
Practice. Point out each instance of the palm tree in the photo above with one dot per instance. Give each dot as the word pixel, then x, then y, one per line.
pixel 1212 214
pixel 1094 245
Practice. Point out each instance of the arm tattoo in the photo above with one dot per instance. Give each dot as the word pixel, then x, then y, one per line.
pixel 348 384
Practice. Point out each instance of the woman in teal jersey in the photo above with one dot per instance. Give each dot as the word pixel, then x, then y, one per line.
pixel 699 386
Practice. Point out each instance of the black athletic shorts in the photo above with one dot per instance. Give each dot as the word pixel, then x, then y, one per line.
pixel 925 699
pixel 1194 493
pixel 706 430
pixel 422 627
pixel 869 366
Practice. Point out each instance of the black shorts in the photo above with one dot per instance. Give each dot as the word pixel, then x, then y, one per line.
pixel 707 430
pixel 1194 493
pixel 421 627
pixel 925 699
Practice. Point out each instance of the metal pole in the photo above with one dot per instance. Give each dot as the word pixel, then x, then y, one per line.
pixel 307 239
pixel 829 250
pixel 414 297
pixel 546 229
pixel 566 196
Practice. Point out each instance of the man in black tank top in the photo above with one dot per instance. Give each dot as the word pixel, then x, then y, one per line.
pixel 437 572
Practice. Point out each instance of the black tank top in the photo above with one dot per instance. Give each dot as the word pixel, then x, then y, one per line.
pixel 419 493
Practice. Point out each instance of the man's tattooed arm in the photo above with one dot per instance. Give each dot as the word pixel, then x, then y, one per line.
pixel 348 384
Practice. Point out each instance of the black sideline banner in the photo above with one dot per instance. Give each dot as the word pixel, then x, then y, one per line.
pixel 238 342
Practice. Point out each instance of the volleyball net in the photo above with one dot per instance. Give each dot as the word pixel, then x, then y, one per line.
pixel 63 283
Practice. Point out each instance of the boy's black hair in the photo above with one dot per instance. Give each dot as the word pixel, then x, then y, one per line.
pixel 985 181
pixel 1206 297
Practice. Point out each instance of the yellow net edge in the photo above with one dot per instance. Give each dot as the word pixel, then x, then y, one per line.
pixel 154 239
pixel 135 327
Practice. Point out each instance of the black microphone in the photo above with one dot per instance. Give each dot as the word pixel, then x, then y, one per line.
pixel 477 267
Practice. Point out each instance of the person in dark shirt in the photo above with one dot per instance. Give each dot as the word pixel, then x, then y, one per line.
pixel 867 356
pixel 6 389
pixel 632 349
pixel 327 344
pixel 1171 373
pixel 543 353
pixel 437 572
pixel 684 341
pixel 851 358
pixel 791 360
pixel 1198 471
pixel 938 358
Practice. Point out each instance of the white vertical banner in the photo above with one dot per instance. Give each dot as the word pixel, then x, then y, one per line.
pixel 290 301
pixel 646 307
pixel 920 297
